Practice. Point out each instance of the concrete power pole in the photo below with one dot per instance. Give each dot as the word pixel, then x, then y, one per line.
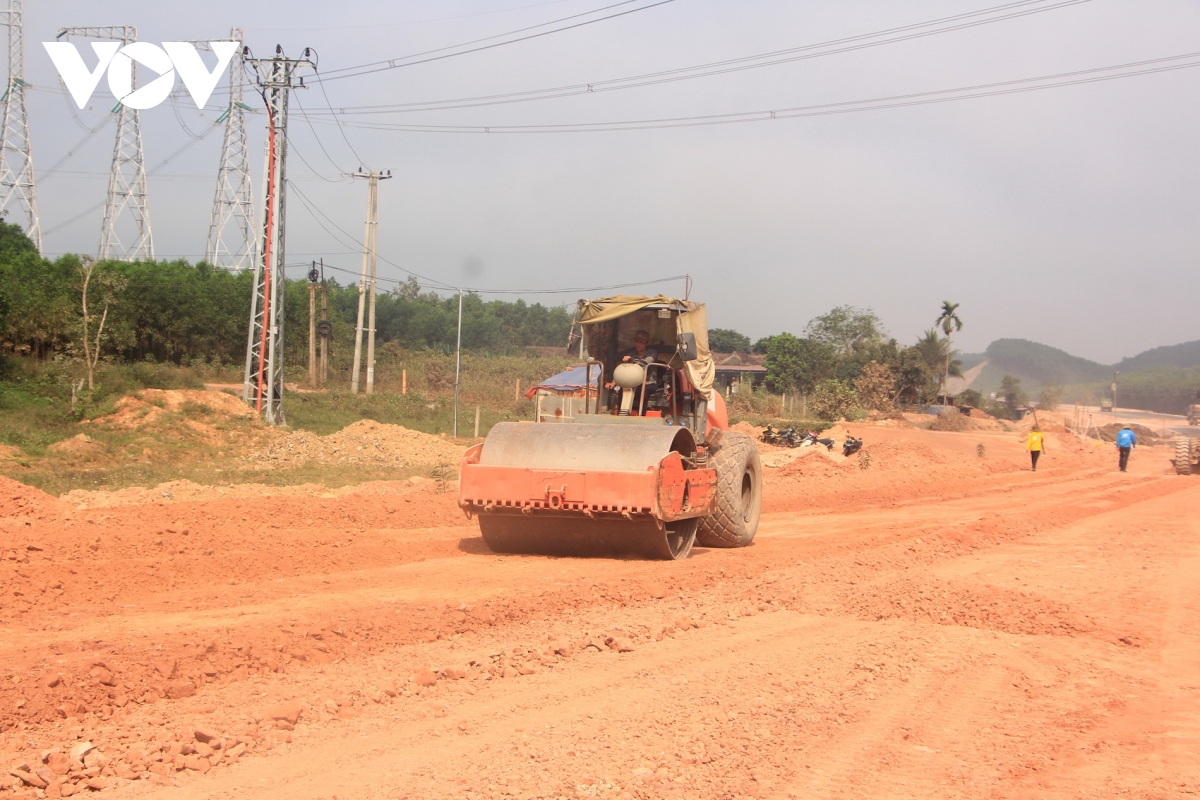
pixel 17 188
pixel 127 177
pixel 230 231
pixel 313 277
pixel 263 378
pixel 364 288
pixel 325 328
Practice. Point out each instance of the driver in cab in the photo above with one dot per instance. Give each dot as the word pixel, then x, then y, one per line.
pixel 641 351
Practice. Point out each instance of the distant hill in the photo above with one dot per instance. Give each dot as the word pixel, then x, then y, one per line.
pixel 1045 364
pixel 970 360
pixel 1173 355
pixel 1163 379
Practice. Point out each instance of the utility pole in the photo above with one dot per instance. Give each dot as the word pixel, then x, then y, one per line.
pixel 16 157
pixel 457 362
pixel 1114 389
pixel 127 177
pixel 231 228
pixel 366 285
pixel 313 276
pixel 325 328
pixel 263 381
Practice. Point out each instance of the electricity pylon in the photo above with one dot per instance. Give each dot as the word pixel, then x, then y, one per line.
pixel 263 381
pixel 16 159
pixel 127 195
pixel 230 232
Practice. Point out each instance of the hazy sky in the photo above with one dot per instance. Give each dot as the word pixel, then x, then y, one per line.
pixel 1068 216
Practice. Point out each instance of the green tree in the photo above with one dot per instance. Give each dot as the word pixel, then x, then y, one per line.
pixel 724 340
pixel 846 330
pixel 949 321
pixel 796 365
pixel 1049 396
pixel 1012 395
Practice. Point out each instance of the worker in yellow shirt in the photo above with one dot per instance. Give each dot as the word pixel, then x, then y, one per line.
pixel 1036 445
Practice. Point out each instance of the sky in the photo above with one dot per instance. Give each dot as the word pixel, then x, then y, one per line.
pixel 1068 216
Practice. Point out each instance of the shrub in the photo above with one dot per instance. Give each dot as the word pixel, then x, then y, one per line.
pixel 950 420
pixel 833 399
pixel 874 387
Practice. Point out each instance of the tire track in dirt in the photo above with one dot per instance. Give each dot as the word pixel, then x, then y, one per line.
pixel 283 636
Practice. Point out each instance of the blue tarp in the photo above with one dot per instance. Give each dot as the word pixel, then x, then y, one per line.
pixel 572 380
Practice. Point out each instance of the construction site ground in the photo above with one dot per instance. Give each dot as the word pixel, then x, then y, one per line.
pixel 930 620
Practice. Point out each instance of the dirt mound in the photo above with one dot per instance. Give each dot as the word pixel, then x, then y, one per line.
pixel 1144 435
pixel 898 454
pixel 887 419
pixel 19 500
pixel 80 443
pixel 364 442
pixel 8 451
pixel 150 405
pixel 746 428
pixel 950 420
pixel 811 463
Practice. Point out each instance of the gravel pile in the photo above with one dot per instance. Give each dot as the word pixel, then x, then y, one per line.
pixel 364 442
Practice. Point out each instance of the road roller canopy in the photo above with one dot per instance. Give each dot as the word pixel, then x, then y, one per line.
pixel 610 324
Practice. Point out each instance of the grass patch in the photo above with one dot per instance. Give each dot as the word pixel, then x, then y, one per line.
pixel 326 412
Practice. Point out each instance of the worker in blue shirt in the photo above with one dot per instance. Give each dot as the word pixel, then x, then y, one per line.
pixel 1126 441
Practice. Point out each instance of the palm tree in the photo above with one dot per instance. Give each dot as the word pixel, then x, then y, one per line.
pixel 949 321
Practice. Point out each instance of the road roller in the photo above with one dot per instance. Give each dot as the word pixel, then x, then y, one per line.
pixel 644 466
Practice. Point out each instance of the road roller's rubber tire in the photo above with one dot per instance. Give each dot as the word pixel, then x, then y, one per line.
pixel 1183 456
pixel 739 494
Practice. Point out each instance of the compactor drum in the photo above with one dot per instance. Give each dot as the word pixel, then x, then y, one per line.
pixel 647 471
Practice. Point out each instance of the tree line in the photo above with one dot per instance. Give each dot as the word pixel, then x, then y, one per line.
pixel 845 360
pixel 176 311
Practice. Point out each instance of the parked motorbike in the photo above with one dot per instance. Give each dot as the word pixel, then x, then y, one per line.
pixel 818 440
pixel 789 438
pixel 769 436
pixel 851 446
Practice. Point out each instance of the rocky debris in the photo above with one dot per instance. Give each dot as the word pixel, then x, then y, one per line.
pixel 20 501
pixel 424 677
pixel 179 689
pixel 289 712
pixel 363 442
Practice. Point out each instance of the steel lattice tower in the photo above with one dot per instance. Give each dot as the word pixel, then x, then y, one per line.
pixel 16 158
pixel 125 233
pixel 230 237
pixel 263 381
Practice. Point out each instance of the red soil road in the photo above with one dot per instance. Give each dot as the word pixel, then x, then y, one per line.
pixel 936 625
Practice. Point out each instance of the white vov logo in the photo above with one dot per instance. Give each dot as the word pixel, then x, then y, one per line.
pixel 172 57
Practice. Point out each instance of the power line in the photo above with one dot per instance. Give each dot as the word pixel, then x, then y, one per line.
pixel 393 63
pixel 292 146
pixel 1132 69
pixel 320 144
pixel 430 283
pixel 787 56
pixel 341 130
pixel 426 21
pixel 568 290
pixel 151 171
pixel 313 209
